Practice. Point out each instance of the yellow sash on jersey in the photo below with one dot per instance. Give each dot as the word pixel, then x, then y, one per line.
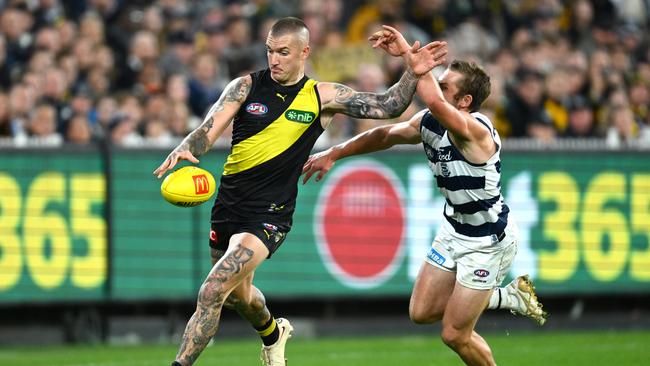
pixel 278 136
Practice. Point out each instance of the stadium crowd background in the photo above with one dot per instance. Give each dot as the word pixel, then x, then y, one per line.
pixel 143 73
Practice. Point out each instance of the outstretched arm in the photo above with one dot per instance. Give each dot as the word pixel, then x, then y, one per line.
pixel 343 99
pixel 430 91
pixel 419 60
pixel 458 123
pixel 339 98
pixel 376 139
pixel 219 116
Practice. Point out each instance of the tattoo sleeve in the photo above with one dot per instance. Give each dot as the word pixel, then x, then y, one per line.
pixel 390 104
pixel 205 321
pixel 198 142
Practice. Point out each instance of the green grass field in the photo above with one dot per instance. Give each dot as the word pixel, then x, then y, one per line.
pixel 529 349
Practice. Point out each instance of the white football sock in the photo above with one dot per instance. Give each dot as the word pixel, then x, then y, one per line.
pixel 500 299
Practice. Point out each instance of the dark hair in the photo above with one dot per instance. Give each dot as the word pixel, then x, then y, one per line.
pixel 288 25
pixel 475 82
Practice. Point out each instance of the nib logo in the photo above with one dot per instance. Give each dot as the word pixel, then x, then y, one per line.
pixel 295 115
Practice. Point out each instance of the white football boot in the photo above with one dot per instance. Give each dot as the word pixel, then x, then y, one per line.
pixel 273 355
pixel 523 290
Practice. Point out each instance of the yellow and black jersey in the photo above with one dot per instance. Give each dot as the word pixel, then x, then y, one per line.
pixel 273 134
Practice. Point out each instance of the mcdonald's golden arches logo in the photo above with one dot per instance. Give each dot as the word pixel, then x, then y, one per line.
pixel 201 184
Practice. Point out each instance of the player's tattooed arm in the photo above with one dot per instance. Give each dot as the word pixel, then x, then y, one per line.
pixel 200 140
pixel 389 104
pixel 219 116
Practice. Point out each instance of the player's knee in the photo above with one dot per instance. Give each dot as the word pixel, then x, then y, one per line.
pixel 212 294
pixel 231 302
pixel 453 337
pixel 420 315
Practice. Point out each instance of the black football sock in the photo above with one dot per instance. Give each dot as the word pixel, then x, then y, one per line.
pixel 269 332
pixel 175 363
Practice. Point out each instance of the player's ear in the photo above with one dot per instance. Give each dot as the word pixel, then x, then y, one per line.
pixel 305 52
pixel 465 101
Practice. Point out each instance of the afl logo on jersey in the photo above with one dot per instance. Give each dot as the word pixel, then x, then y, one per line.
pixel 257 108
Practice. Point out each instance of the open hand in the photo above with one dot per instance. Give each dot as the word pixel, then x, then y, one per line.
pixel 321 162
pixel 420 60
pixel 424 59
pixel 171 161
pixel 390 40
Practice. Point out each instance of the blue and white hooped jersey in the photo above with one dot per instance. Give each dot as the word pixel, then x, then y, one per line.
pixel 474 205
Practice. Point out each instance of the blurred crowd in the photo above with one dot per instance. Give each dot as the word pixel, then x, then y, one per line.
pixel 144 73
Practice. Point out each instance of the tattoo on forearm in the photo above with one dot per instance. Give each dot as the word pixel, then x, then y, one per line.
pixel 390 104
pixel 205 321
pixel 198 142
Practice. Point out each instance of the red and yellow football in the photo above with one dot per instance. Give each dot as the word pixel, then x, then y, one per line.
pixel 188 186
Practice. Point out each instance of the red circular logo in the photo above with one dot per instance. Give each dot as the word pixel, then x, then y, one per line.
pixel 359 223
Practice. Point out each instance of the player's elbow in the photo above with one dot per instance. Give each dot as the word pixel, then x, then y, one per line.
pixel 392 105
pixel 382 135
pixel 398 110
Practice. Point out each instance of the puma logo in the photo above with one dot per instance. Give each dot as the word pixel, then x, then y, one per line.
pixel 281 96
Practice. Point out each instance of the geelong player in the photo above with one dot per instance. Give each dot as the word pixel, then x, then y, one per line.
pixel 474 247
pixel 277 115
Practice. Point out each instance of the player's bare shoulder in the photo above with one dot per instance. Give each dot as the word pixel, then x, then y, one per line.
pixel 233 96
pixel 328 92
pixel 479 130
pixel 237 90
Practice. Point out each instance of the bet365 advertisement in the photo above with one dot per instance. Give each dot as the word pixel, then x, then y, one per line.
pixel 584 222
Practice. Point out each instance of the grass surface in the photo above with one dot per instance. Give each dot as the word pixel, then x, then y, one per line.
pixel 529 349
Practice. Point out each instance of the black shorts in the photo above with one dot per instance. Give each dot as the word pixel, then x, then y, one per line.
pixel 271 235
